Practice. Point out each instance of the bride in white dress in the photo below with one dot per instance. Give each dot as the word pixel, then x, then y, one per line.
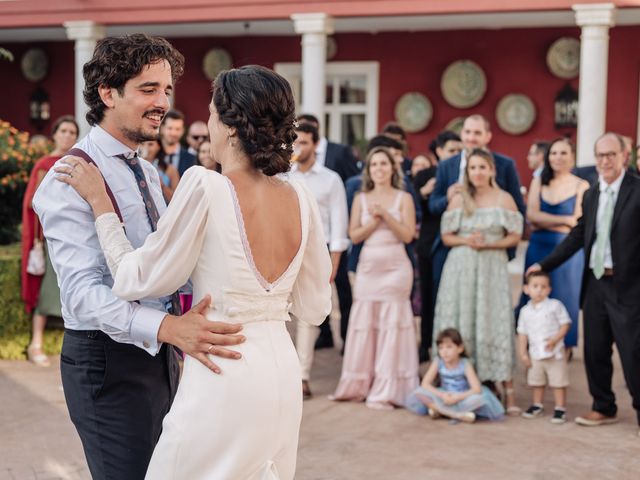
pixel 255 243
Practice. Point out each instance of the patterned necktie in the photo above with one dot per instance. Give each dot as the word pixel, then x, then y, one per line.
pixel 603 233
pixel 152 211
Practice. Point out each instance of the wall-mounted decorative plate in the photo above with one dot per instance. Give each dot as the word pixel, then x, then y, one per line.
pixel 563 57
pixel 515 113
pixel 34 64
pixel 463 84
pixel 216 60
pixel 413 112
pixel 455 124
pixel 332 48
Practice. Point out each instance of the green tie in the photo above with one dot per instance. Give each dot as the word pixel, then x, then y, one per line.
pixel 604 231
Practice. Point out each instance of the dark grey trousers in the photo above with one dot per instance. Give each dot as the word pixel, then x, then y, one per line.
pixel 117 395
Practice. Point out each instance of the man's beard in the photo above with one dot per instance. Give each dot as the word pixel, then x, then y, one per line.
pixel 138 136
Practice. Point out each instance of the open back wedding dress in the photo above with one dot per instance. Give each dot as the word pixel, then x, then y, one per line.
pixel 244 423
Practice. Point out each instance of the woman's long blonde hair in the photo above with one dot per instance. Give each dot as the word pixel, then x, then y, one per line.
pixel 397 180
pixel 469 190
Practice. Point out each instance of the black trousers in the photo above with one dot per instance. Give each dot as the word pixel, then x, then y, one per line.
pixel 117 395
pixel 425 267
pixel 607 320
pixel 345 299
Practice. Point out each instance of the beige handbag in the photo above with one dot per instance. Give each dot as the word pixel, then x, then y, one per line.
pixel 35 262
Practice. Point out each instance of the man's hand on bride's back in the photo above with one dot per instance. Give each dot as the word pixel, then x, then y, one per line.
pixel 196 336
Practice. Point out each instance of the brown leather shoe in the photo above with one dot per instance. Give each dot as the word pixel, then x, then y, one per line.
pixel 595 419
pixel 306 391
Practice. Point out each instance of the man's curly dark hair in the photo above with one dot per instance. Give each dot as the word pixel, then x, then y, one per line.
pixel 116 60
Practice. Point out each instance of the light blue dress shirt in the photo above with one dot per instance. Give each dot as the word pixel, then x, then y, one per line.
pixel 83 276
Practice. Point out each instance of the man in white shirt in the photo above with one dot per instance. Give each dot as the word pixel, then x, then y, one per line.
pixel 334 156
pixel 329 192
pixel 609 232
pixel 118 372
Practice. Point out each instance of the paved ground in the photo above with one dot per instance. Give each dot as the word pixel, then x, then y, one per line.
pixel 349 441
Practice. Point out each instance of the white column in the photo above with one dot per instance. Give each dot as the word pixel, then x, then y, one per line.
pixel 85 33
pixel 595 20
pixel 314 28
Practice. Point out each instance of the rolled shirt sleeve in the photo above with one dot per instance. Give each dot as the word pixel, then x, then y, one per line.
pixel 311 294
pixel 338 218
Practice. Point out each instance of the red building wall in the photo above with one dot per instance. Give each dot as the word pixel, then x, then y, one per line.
pixel 16 90
pixel 513 61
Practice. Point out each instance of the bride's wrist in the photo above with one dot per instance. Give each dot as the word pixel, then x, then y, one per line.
pixel 101 205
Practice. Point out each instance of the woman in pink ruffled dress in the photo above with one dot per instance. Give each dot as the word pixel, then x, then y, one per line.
pixel 380 358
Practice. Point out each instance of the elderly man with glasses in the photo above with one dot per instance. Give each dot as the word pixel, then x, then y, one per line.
pixel 609 232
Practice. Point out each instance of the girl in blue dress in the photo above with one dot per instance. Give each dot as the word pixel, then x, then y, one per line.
pixel 553 208
pixel 460 395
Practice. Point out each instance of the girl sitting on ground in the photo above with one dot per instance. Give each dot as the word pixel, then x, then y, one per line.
pixel 460 396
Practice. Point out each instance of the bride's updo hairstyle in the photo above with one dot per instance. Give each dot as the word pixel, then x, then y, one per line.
pixel 258 103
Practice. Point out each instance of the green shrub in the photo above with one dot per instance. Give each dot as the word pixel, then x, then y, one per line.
pixel 15 323
pixel 17 158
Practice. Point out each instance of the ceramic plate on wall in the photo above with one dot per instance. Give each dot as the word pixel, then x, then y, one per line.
pixel 332 48
pixel 515 113
pixel 563 57
pixel 413 112
pixel 463 84
pixel 216 60
pixel 455 124
pixel 34 64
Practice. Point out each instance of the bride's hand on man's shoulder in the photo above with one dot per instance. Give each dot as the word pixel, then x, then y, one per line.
pixel 84 177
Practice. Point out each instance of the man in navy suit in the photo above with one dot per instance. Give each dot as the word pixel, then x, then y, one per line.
pixel 171 131
pixel 476 133
pixel 395 131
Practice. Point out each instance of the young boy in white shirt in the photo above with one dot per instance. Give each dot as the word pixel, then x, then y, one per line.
pixel 542 326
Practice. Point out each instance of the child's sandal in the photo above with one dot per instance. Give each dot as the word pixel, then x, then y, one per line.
pixel 512 410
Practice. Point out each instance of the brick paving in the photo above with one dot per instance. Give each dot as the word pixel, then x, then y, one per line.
pixel 349 441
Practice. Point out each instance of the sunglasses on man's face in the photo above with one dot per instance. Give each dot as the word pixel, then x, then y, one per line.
pixel 200 137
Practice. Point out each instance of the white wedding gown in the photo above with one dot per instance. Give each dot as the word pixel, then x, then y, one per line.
pixel 243 424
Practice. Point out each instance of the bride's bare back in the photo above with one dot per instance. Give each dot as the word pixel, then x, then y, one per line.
pixel 271 215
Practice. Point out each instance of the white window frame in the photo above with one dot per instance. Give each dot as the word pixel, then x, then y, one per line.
pixel 371 70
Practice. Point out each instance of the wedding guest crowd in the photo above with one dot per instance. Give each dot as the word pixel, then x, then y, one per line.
pixel 439 229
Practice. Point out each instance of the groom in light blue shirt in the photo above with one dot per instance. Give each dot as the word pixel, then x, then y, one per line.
pixel 118 372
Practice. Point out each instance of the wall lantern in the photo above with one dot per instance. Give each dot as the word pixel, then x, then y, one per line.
pixel 39 108
pixel 566 108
